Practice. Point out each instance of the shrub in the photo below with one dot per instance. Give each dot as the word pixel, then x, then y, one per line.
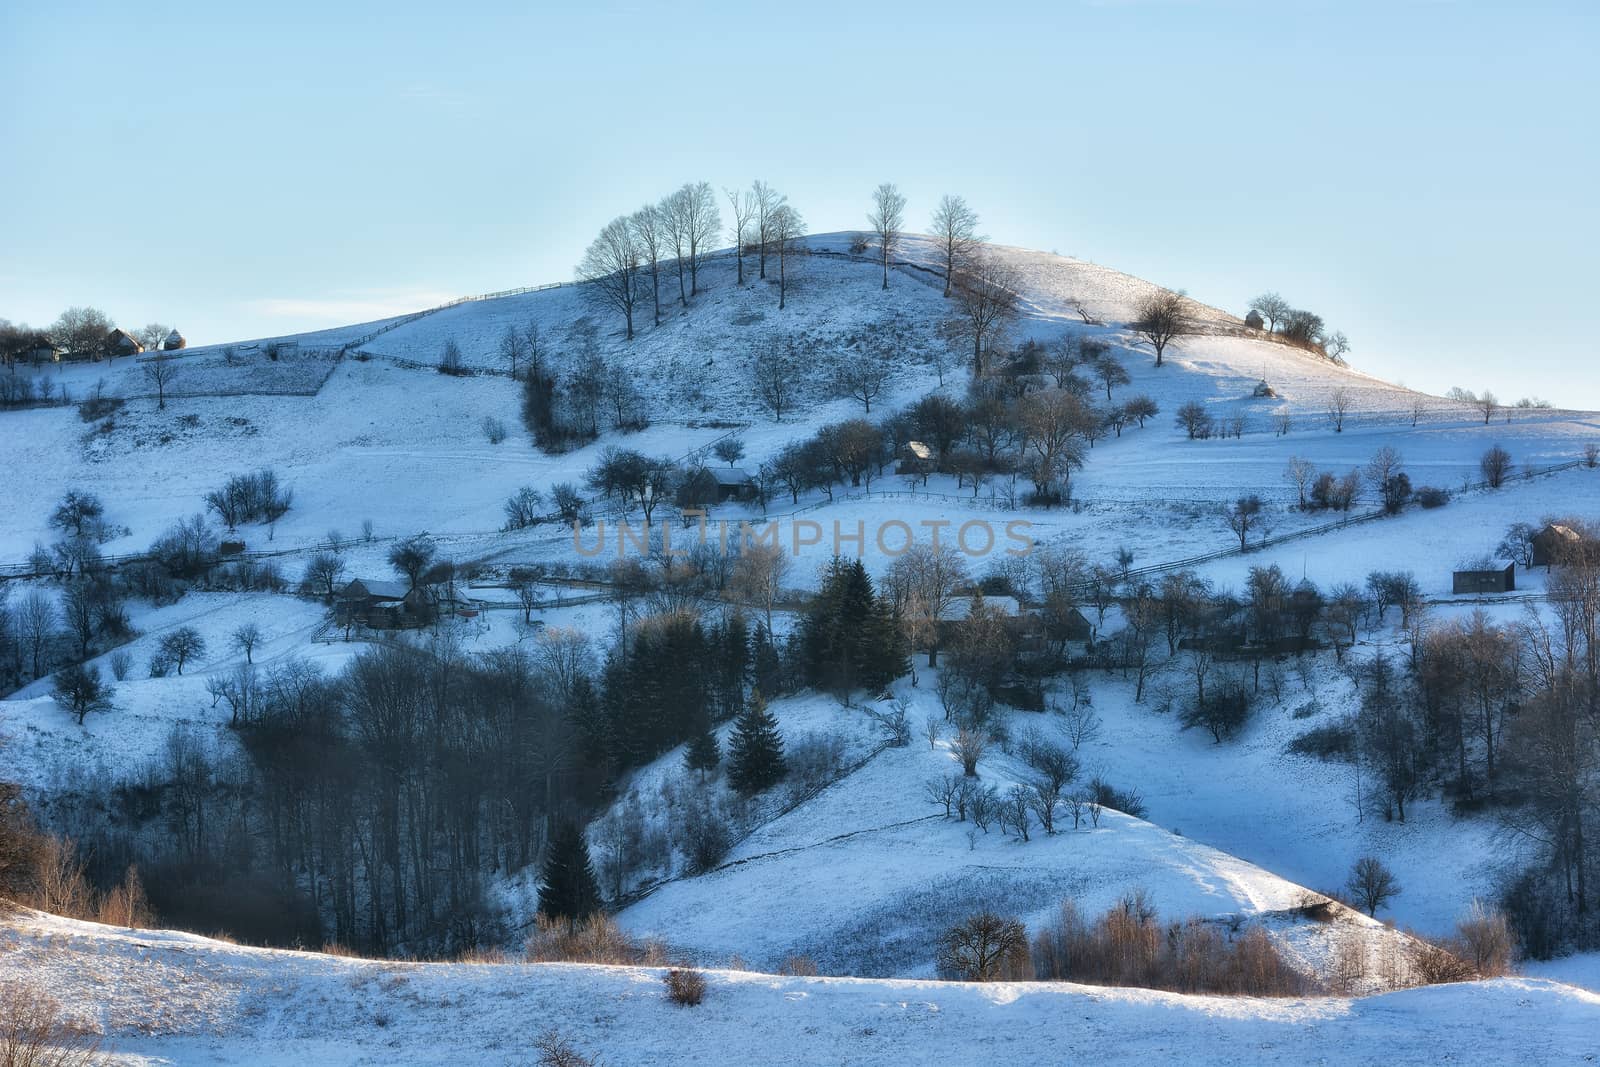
pixel 704 836
pixel 685 987
pixel 121 662
pixel 1484 940
pixel 1591 455
pixel 1129 802
pixel 597 939
pixel 33 1032
pixel 1335 741
pixel 1433 497
pixel 450 361
pixel 1128 946
pixel 799 967
pixel 556 1051
pixel 98 407
pixel 493 429
pixel 1496 466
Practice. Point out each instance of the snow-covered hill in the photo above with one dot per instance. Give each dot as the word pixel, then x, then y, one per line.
pixel 175 998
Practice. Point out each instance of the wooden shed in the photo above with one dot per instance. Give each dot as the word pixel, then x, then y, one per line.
pixel 120 342
pixel 1554 543
pixel 1485 581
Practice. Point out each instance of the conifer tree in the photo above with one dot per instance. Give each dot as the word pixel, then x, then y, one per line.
pixel 755 758
pixel 568 889
pixel 766 669
pixel 703 753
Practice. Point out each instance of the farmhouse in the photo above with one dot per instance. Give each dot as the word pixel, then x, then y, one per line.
pixel 120 342
pixel 1487 580
pixel 384 605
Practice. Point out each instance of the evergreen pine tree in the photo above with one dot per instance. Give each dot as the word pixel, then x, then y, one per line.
pixel 766 669
pixel 703 753
pixel 755 757
pixel 568 888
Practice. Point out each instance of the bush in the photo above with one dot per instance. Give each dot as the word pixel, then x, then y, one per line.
pixel 1128 946
pixel 253 497
pixel 556 1051
pixel 121 663
pixel 33 1032
pixel 704 836
pixel 1432 497
pixel 597 939
pixel 1335 741
pixel 685 987
pixel 1128 802
pixel 98 407
pixel 493 429
pixel 524 508
pixel 450 361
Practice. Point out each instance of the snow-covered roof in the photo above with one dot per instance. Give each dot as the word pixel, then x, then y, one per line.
pixel 730 475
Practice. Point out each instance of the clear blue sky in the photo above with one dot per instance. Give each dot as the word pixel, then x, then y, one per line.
pixel 1421 172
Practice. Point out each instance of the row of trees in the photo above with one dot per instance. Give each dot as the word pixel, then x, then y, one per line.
pixel 1297 326
pixel 80 333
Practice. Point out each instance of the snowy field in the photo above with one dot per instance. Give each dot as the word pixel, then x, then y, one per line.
pixel 164 998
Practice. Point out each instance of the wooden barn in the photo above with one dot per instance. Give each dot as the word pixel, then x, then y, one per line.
pixel 1487 580
pixel 120 342
pixel 384 605
pixel 1553 543
pixel 733 483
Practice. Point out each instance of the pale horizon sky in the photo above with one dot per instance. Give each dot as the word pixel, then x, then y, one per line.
pixel 1420 172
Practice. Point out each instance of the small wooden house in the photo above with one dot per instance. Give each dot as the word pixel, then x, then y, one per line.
pixel 1554 543
pixel 384 605
pixel 120 342
pixel 174 342
pixel 918 458
pixel 733 483
pixel 1489 580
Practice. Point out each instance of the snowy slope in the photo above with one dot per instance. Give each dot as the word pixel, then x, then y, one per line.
pixel 179 999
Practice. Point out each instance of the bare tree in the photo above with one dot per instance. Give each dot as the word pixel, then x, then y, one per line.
pixel 1336 345
pixel 1495 465
pixel 743 205
pixel 774 371
pixel 923 582
pixel 758 576
pixel 888 217
pixel 1417 410
pixel 161 371
pixel 1111 372
pixel 767 201
pixel 788 231
pixel 245 638
pixel 1242 516
pixel 703 223
pixel 649 232
pixel 986 293
pixel 1372 884
pixel 1487 403
pixel 1160 318
pixel 82 332
pixel 1272 307
pixel 1300 472
pixel 1338 407
pixel 36 626
pixel 610 269
pixel 955 227
pixel 861 377
pixel 152 336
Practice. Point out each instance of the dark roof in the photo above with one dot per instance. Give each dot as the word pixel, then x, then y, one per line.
pixel 374 587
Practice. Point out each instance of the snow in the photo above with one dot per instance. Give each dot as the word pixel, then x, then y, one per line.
pixel 862 874
pixel 181 999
